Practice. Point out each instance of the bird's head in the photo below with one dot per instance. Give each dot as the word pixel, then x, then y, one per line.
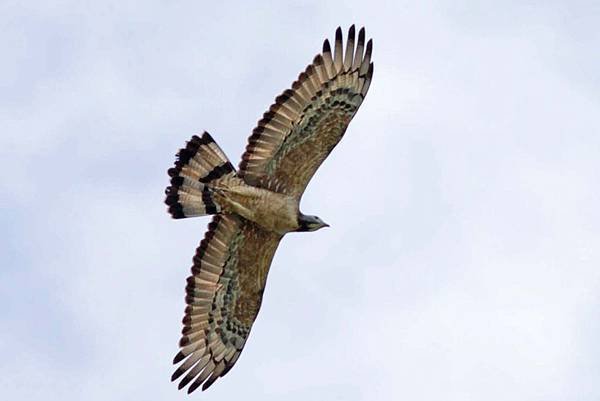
pixel 310 223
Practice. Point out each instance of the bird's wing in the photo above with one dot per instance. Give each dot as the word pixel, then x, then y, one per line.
pixel 307 121
pixel 223 296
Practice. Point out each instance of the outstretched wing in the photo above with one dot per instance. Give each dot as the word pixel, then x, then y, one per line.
pixel 224 294
pixel 307 121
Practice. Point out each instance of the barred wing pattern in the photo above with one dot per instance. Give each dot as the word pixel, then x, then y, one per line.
pixel 223 297
pixel 307 121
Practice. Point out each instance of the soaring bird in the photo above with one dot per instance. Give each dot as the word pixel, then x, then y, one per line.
pixel 255 206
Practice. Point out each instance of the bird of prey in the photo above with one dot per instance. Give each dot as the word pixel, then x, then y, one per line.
pixel 256 205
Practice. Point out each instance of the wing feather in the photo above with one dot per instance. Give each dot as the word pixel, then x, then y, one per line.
pixel 313 81
pixel 320 68
pixel 338 57
pixel 223 297
pixel 349 57
pixel 358 55
pixel 328 60
pixel 364 67
pixel 307 121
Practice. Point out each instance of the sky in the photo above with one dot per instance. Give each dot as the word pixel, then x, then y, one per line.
pixel 463 258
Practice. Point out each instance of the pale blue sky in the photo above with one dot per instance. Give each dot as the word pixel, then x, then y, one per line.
pixel 463 261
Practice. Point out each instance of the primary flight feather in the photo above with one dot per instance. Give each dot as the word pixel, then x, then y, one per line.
pixel 258 204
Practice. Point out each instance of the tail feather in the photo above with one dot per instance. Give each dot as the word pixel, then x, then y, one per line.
pixel 199 166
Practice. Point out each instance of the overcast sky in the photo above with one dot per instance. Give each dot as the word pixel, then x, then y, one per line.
pixel 463 261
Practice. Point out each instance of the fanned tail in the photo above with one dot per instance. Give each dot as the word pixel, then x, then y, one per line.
pixel 199 166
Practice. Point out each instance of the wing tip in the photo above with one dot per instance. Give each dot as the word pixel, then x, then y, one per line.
pixel 178 358
pixel 209 383
pixel 326 46
pixel 361 35
pixel 193 387
pixel 177 374
pixel 184 383
pixel 369 47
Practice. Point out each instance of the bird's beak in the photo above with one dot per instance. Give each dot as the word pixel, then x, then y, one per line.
pixel 326 225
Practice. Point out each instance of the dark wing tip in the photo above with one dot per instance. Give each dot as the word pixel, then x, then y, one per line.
pixel 326 46
pixel 361 35
pixel 183 383
pixel 351 31
pixel 193 387
pixel 209 382
pixel 177 374
pixel 178 358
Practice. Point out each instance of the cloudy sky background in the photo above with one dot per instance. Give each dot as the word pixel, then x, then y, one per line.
pixel 463 262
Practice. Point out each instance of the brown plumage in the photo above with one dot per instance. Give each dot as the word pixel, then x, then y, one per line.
pixel 257 205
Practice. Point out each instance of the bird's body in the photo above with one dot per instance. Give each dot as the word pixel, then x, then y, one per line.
pixel 271 210
pixel 258 204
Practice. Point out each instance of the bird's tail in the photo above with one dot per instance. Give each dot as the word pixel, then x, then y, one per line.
pixel 199 166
